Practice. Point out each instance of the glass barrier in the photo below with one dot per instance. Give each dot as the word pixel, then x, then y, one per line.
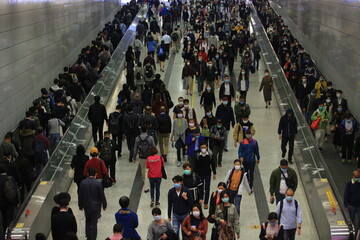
pixel 79 132
pixel 309 159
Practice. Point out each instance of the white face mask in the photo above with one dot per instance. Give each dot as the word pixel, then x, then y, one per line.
pixel 237 167
pixel 181 103
pixel 220 190
pixel 191 124
pixel 196 213
pixel 266 74
pixel 338 95
pixel 188 63
pixel 245 121
pixel 180 115
pixel 186 106
pixel 203 150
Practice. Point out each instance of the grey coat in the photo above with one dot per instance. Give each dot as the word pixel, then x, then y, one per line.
pixel 232 218
pixel 176 134
pixel 155 231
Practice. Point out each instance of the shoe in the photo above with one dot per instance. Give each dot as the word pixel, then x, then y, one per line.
pixel 130 160
pixel 146 190
pixel 113 180
pixel 343 161
pixel 219 165
pixel 269 103
pixel 320 149
pixel 157 204
pixel 152 204
pixel 178 164
pixel 206 206
pixel 291 161
pixel 226 150
pixel 119 155
pixel 349 161
pixel 283 155
pixel 165 159
pixel 266 106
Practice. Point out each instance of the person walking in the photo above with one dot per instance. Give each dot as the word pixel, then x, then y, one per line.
pixel 271 230
pixel 128 219
pixel 178 135
pixel 248 152
pixel 78 164
pixel 215 200
pixel 290 215
pixel 227 90
pixel 187 75
pixel 207 99
pixel 97 115
pixel 204 165
pixel 143 142
pixel 225 112
pixel 287 131
pixel 96 163
pixel 267 86
pixel 164 130
pixel 321 116
pixel 227 218
pixel 194 183
pixel 193 141
pixel 240 128
pixel 175 40
pixel 107 148
pixel 116 119
pixel 131 125
pixel 180 202
pixel 348 128
pixel 195 225
pixel 91 199
pixel 63 221
pixel 236 180
pixel 160 227
pixel 352 197
pixel 242 109
pixel 154 164
pixel 281 179
pixel 217 141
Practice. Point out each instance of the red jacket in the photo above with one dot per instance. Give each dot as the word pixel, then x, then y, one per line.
pixel 202 229
pixel 154 164
pixel 94 162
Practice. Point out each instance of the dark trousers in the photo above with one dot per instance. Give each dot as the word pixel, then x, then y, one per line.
pixel 231 65
pixel 217 153
pixel 118 140
pixel 206 181
pixel 200 82
pixel 289 234
pixel 7 213
pixel 347 146
pixel 178 153
pixel 166 49
pixel 91 220
pixel 137 56
pixel 111 167
pixel 95 129
pixel 353 211
pixel 249 167
pixel 279 198
pixel 284 141
pixel 192 160
pixel 155 185
pixel 130 140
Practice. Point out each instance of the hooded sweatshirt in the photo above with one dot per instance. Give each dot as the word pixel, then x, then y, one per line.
pixel 129 220
pixel 288 125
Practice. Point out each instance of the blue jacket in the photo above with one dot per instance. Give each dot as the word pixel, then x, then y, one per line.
pixel 191 144
pixel 129 220
pixel 248 150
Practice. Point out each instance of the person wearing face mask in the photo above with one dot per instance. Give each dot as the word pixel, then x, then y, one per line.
pixel 211 74
pixel 195 225
pixel 320 87
pixel 281 179
pixel 226 114
pixel 256 53
pixel 178 107
pixel 287 131
pixel 204 165
pixel 200 73
pixel 227 90
pixel 159 227
pixel 193 142
pixel 340 101
pixel 189 112
pixel 180 202
pixel 187 75
pixel 352 197
pixel 194 183
pixel 236 180
pixel 227 218
pixel 322 125
pixel 330 91
pixel 243 83
pixel 302 89
pixel 294 77
pixel 271 230
pixel 240 128
pixel 217 141
pixel 178 135
pixel 246 61
pixel 267 86
pixel 242 108
pixel 290 215
pixel 336 120
pixel 207 99
pixel 309 105
pixel 215 200
pixel 211 120
pixel 212 52
pixel 348 128
pixel 249 155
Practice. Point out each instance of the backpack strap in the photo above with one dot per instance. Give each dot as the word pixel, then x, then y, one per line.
pixel 281 207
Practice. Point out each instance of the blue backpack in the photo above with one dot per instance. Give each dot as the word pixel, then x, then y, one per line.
pixel 161 52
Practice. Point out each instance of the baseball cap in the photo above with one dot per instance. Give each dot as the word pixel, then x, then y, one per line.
pixel 94 150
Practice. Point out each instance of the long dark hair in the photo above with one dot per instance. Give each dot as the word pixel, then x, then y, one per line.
pixel 192 218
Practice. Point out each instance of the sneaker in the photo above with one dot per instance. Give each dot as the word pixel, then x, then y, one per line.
pixel 219 165
pixel 157 204
pixel 113 180
pixel 206 206
pixel 226 150
pixel 152 204
pixel 343 161
pixel 283 155
pixel 291 161
pixel 146 190
pixel 178 164
pixel 266 106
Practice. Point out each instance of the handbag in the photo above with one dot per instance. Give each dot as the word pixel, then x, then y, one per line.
pixel 214 233
pixel 315 124
pixel 332 128
pixel 252 69
pixel 71 173
pixel 106 181
pixel 163 171
pixel 289 182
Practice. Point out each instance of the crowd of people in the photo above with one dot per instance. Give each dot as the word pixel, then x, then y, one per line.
pixel 214 36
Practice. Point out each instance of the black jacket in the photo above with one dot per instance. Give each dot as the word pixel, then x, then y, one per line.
pixel 195 185
pixel 78 162
pixel 288 125
pixel 177 204
pixel 91 195
pixel 204 165
pixel 222 91
pixel 301 92
pixel 97 114
pixel 131 123
pixel 164 123
pixel 61 223
pixel 208 99
pixel 149 118
pixel 226 114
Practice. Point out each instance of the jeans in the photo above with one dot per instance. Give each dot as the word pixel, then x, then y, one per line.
pixel 217 153
pixel 353 211
pixel 289 234
pixel 155 184
pixel 95 129
pixel 284 141
pixel 256 63
pixel 347 146
pixel 227 135
pixel 206 181
pixel 319 137
pixel 164 143
pixel 200 81
pixel 91 220
pixel 236 199
pixel 176 223
pixel 118 140
pixel 54 140
pixel 249 167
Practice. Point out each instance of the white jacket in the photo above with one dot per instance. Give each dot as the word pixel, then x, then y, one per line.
pixel 244 182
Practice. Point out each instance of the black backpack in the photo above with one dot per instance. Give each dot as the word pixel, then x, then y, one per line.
pixel 114 124
pixel 149 71
pixel 153 133
pixel 143 147
pixel 138 75
pixel 174 37
pixel 8 190
pixel 105 151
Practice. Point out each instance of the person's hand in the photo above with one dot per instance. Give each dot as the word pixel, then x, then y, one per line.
pixel 241 159
pixel 298 231
pixel 184 195
pixel 193 139
pixel 257 161
pixel 164 236
pixel 212 216
pixel 280 136
pixel 189 233
pixel 238 236
pixel 235 144
pixel 271 199
pixel 169 219
pixel 134 160
pixel 201 105
pixel 80 209
pixel 104 208
pixel 214 176
pixel 201 201
pixel 357 158
pixel 222 221
pixel 192 228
